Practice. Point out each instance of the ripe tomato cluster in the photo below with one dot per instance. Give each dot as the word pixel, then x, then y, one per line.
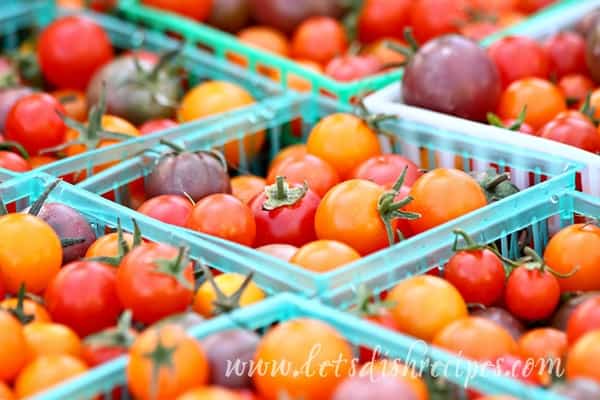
pixel 56 104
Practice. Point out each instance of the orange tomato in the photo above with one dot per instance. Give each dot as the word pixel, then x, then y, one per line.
pixel 476 338
pixel 46 338
pixel 293 152
pixel 74 102
pixel 215 97
pixel 30 253
pixel 399 370
pixel 546 347
pixel 108 245
pixel 344 141
pixel 582 360
pixel 431 198
pixel 30 308
pixel 319 175
pixel 38 161
pixel 14 347
pixel 109 123
pixel 294 81
pixel 383 53
pixel 348 214
pixel 47 371
pixel 542 98
pixel 265 38
pixel 425 304
pixel 575 88
pixel 305 339
pixel 5 392
pixel 246 187
pixel 319 39
pixel 324 255
pixel 204 300
pixel 210 393
pixel 185 368
pixel 576 246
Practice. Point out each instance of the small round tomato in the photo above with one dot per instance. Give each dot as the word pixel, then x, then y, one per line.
pixel 209 303
pixel 572 130
pixel 265 38
pixel 14 347
pixel 350 67
pixel 46 338
pixel 324 255
pixel 319 175
pixel 108 245
pixel 381 51
pixel 401 371
pixel 519 57
pixel 284 252
pixel 430 199
pixel 385 170
pixel 576 246
pixel 319 39
pixel 582 360
pixel 531 6
pixel 224 216
pixel 157 274
pixel 476 338
pixel 196 9
pixel 83 296
pixel 21 236
pixel 34 123
pixel 215 97
pixel 518 368
pixel 73 69
pixel 575 88
pixel 344 141
pixel 110 343
pixel 432 18
pixel 156 125
pixel 74 103
pixel 494 6
pixel 382 19
pixel 45 372
pixel 294 81
pixel 13 162
pixel 168 208
pixel 331 364
pixel 424 305
pixel 566 53
pixel 246 187
pixel 478 30
pixel 294 152
pixel 542 345
pixel 542 99
pixel 31 309
pixel 585 318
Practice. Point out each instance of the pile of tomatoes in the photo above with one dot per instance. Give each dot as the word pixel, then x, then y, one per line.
pixel 347 41
pixel 56 104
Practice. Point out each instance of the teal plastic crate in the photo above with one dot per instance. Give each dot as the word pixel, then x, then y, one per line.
pixel 286 307
pixel 20 17
pixel 429 145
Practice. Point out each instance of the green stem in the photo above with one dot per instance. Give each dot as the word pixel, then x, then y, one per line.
pixel 176 148
pixel 281 193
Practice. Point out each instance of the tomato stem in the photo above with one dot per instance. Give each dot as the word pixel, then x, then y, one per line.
pixel 120 337
pixel 588 110
pixel 159 357
pixel 36 207
pixel 225 304
pixel 67 242
pixel 367 304
pixel 281 194
pixel 19 311
pixel 176 267
pixel 15 146
pixel 175 147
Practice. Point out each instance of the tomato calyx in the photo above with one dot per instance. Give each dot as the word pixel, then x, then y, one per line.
pixel 390 208
pixel 14 147
pixel 176 149
pixel 280 194
pixel 175 267
pixel 161 356
pixel 588 110
pixel 369 305
pixel 496 186
pixel 123 246
pixel 225 304
pixel 534 262
pixel 18 311
pixel 407 51
pixel 373 121
pixel 120 336
pixel 495 120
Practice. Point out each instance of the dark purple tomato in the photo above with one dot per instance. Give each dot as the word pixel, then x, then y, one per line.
pixel 230 15
pixel 286 15
pixel 441 77
pixel 561 317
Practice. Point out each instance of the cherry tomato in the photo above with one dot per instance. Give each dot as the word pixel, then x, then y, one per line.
pixel 476 338
pixel 73 69
pixel 74 103
pixel 13 162
pixel 575 88
pixel 543 345
pixel 108 245
pixel 45 372
pixel 585 318
pixel 195 9
pixel 296 151
pixel 384 318
pixel 32 309
pixel 33 122
pixel 324 255
pixel 383 53
pixel 246 187
pixel 401 371
pixel 46 338
pixel 83 296
pixel 532 294
pixel 479 30
pixel 383 19
pixel 424 305
pixel 431 18
pixel 581 360
pixel 344 141
pixel 285 224
pixel 14 347
pixel 265 38
pixel 575 131
pixel 208 303
pixel 349 68
pixel 531 6
pixel 429 190
pixel 543 100
pixel 385 170
pixel 494 6
pixel 319 175
pixel 224 216
pixel 519 57
pixel 575 247
pixel 566 53
pixel 281 251
pixel 168 208
pixel 156 125
pixel 157 274
pixel 518 368
pixel 319 39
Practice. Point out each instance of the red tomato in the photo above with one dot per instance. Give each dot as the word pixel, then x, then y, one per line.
pixel 168 208
pixel 74 68
pixel 479 30
pixel 531 6
pixel 519 57
pixel 33 122
pixel 319 39
pixel 380 19
pixel 158 275
pixel 83 296
pixel 575 88
pixel 572 130
pixel 286 224
pixel 196 9
pixel 477 274
pixel 494 6
pixel 349 68
pixel 13 162
pixel 531 294
pixel 156 125
pixel 385 170
pixel 431 18
pixel 566 53
pixel 224 216
pixel 2 290
pixel 585 318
